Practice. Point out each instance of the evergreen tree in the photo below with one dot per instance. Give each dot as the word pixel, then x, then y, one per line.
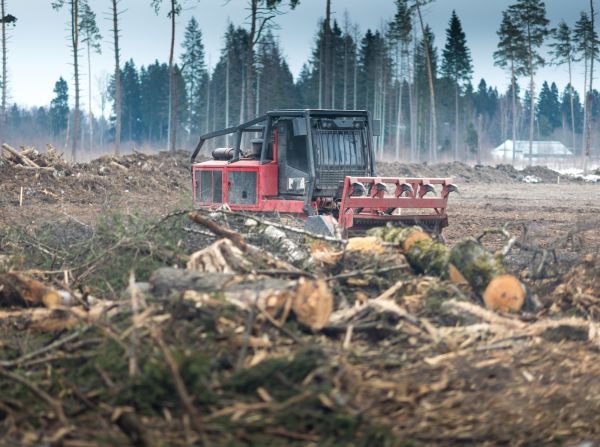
pixel 571 110
pixel 275 83
pixel 431 76
pixel 174 10
pixel 154 89
pixel 132 102
pixel 424 124
pixel 74 7
pixel 91 39
pixel 529 17
pixel 509 56
pixel 456 66
pixel 548 110
pixel 563 52
pixel 195 77
pixel 400 34
pixel 5 19
pixel 586 44
pixel 59 107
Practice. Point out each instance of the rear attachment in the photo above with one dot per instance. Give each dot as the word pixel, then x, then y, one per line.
pixel 369 202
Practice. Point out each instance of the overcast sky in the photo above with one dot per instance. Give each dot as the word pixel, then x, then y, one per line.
pixel 39 53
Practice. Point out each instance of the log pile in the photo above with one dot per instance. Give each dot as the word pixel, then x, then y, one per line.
pixel 29 158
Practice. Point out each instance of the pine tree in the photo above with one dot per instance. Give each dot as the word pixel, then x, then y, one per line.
pixel 424 125
pixel 586 44
pixel 563 52
pixel 154 92
pixel 400 34
pixel 530 18
pixel 132 105
pixel 59 107
pixel 262 12
pixel 510 56
pixel 74 7
pixel 417 5
pixel 91 39
pixel 456 66
pixel 174 10
pixel 5 19
pixel 117 74
pixel 195 76
pixel 548 110
pixel 571 110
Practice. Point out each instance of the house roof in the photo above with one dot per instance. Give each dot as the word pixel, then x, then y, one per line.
pixel 538 149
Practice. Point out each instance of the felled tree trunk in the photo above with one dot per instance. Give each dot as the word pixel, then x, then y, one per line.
pixel 311 301
pixel 17 289
pixel 467 262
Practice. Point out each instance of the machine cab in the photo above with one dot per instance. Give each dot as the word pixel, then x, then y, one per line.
pixel 294 157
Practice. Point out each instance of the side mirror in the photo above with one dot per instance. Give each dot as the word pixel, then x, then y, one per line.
pixel 299 125
pixel 376 128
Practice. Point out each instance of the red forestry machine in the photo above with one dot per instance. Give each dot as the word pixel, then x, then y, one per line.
pixel 319 164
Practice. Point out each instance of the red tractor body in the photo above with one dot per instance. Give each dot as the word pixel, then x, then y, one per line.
pixel 313 163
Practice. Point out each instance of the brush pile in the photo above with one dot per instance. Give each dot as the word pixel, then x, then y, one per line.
pixel 207 329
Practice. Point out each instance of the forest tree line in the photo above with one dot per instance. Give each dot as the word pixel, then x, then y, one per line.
pixel 424 94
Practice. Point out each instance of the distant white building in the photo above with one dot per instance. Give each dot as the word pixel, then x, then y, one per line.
pixel 541 150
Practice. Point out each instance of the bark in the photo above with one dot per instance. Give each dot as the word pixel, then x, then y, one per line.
pixel 571 92
pixel 90 114
pixel 118 97
pixel 588 133
pixel 328 68
pixel 531 95
pixel 172 94
pixel 456 98
pixel 4 71
pixel 250 61
pixel 433 148
pixel 75 45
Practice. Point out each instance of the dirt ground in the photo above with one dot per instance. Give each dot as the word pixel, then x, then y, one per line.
pixel 497 380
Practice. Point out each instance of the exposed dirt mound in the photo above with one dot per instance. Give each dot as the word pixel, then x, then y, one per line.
pixel 91 182
pixel 463 173
pixel 546 175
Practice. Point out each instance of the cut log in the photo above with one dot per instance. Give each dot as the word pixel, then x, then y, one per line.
pixel 19 156
pixel 467 262
pixel 17 289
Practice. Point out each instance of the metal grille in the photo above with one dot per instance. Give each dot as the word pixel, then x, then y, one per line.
pixel 339 153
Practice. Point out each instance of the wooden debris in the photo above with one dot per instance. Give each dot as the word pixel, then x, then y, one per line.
pixel 19 156
pixel 17 289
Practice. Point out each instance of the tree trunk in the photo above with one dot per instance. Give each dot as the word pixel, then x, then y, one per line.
pixel 118 96
pixel 250 61
pixel 479 134
pixel 399 106
pixel 456 98
pixel 4 71
pixel 172 111
pixel 433 148
pixel 328 65
pixel 588 134
pixel 227 96
pixel 90 113
pixel 531 117
pixel 75 47
pixel 571 92
pixel 585 111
